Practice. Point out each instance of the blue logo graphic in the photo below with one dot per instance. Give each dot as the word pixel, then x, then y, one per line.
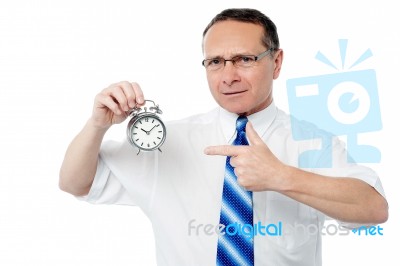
pixel 247 230
pixel 368 231
pixel 344 103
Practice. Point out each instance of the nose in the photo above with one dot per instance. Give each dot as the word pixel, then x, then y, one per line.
pixel 229 73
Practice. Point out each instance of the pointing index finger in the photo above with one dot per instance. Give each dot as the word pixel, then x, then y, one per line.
pixel 224 150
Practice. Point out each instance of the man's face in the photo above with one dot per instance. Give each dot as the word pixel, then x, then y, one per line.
pixel 240 90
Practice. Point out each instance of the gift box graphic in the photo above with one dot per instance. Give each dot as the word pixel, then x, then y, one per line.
pixel 344 103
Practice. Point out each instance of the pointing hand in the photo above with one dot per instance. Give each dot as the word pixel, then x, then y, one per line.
pixel 255 165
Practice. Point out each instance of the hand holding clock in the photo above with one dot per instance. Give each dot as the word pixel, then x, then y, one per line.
pixel 112 104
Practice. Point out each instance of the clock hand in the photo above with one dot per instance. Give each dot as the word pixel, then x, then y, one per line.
pixel 152 128
pixel 147 132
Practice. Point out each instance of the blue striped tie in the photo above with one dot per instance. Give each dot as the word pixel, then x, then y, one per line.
pixel 235 248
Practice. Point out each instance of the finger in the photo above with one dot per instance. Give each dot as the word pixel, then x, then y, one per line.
pixel 138 93
pixel 244 182
pixel 129 93
pixel 119 96
pixel 252 135
pixel 234 161
pixel 108 101
pixel 225 150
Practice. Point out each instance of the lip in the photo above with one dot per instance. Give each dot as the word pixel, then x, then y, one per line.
pixel 232 93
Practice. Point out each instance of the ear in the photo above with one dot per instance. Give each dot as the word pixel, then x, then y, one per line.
pixel 278 59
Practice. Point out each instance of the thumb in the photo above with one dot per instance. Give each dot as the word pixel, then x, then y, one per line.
pixel 252 135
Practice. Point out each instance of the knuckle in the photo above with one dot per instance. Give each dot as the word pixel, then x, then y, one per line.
pixel 100 98
pixel 112 86
pixel 238 171
pixel 105 91
pixel 226 150
pixel 115 108
pixel 135 84
pixel 112 90
pixel 243 182
pixel 247 150
pixel 125 83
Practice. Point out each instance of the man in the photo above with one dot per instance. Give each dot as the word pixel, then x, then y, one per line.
pixel 184 190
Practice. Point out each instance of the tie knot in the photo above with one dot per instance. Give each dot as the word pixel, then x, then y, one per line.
pixel 241 124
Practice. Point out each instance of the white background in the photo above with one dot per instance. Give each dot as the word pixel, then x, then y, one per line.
pixel 56 55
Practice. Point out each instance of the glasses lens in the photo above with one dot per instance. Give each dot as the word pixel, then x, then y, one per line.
pixel 238 61
pixel 214 63
pixel 244 60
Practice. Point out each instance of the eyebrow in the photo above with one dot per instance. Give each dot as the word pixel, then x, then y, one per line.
pixel 232 56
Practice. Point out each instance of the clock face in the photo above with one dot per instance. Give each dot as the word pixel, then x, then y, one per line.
pixel 148 132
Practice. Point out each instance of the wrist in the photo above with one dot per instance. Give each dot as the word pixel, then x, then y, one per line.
pixel 288 178
pixel 93 126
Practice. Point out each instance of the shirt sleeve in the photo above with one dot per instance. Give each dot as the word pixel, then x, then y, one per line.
pixel 123 177
pixel 106 188
pixel 342 168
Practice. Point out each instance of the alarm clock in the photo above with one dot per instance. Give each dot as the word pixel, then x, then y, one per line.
pixel 146 130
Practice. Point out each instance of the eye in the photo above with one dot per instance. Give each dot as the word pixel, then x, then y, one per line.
pixel 244 59
pixel 215 62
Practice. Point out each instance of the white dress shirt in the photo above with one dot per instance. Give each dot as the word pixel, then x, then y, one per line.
pixel 180 189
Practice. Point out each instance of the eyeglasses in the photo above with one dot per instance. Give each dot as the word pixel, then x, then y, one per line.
pixel 242 61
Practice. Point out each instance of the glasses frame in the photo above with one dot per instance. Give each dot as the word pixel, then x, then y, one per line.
pixel 256 58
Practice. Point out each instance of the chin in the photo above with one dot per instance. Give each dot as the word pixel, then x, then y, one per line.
pixel 236 108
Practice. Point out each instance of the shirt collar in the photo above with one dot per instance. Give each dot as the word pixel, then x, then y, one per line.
pixel 260 121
